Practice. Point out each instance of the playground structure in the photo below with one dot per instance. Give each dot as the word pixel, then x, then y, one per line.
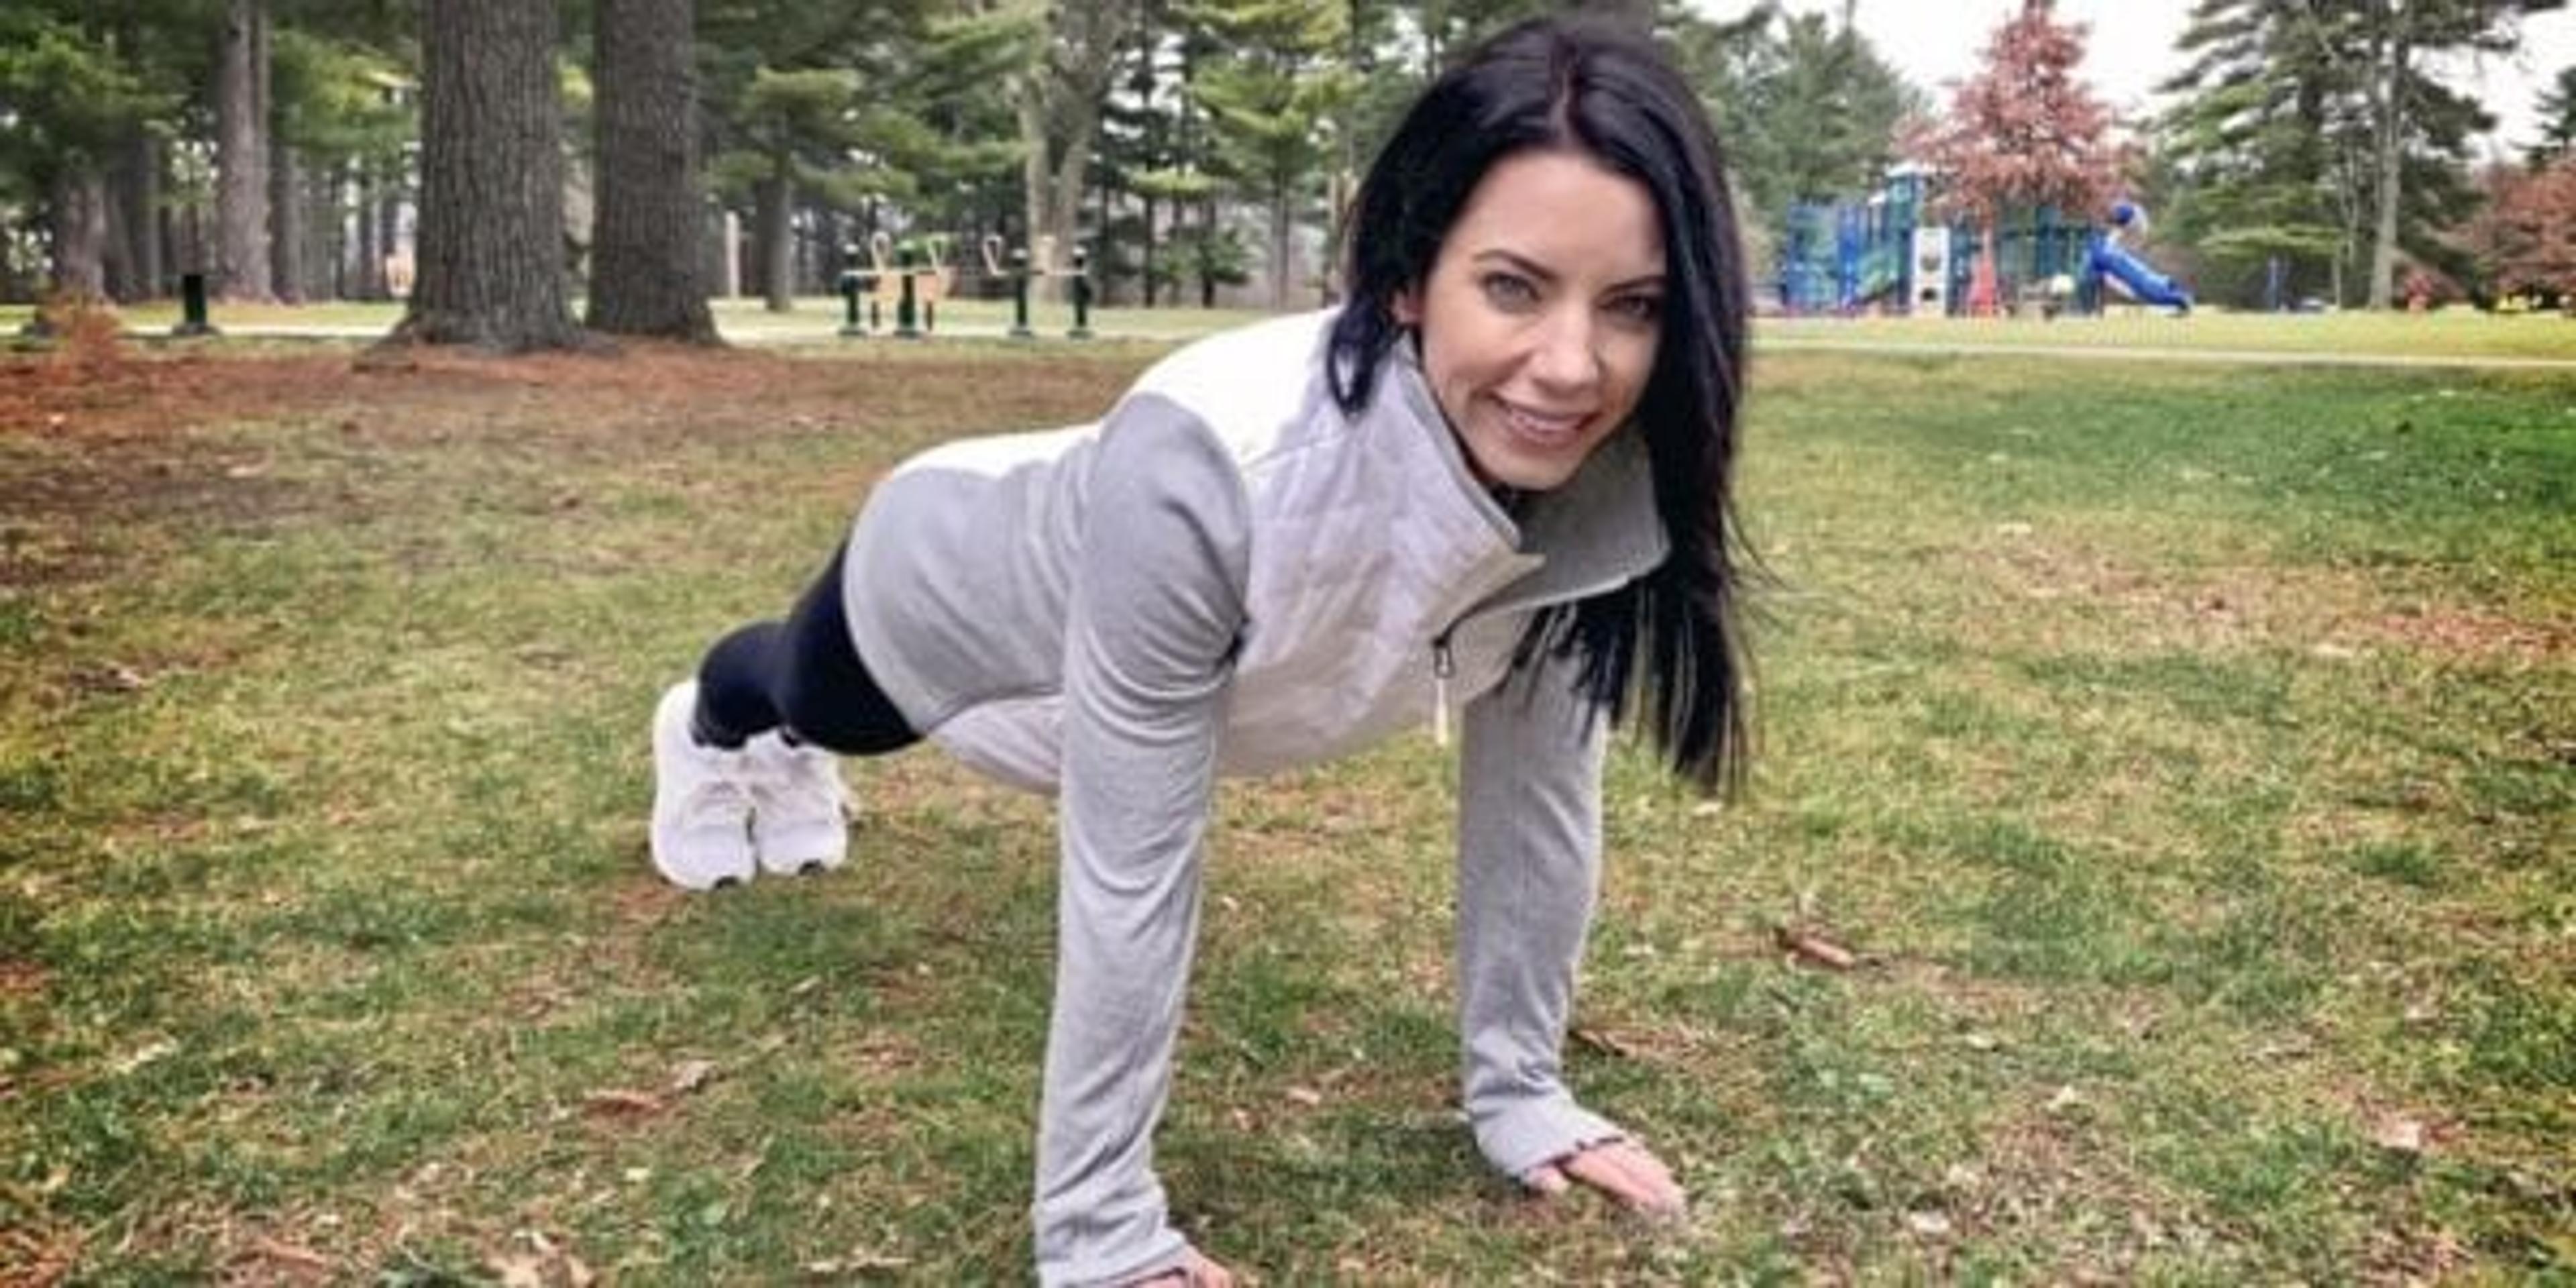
pixel 1881 255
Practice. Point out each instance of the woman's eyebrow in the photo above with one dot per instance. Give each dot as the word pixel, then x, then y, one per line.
pixel 1546 276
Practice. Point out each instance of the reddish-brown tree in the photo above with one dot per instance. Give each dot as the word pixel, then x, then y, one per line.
pixel 2025 131
pixel 2526 237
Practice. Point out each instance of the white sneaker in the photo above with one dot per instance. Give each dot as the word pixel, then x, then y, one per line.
pixel 800 809
pixel 701 801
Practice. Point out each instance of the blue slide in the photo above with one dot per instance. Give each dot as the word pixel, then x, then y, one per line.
pixel 2143 284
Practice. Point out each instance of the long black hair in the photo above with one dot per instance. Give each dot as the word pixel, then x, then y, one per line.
pixel 1606 91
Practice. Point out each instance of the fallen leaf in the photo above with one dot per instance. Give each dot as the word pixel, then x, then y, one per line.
pixel 1607 1043
pixel 2066 1099
pixel 2399 1134
pixel 1307 1096
pixel 293 1254
pixel 518 1271
pixel 691 1076
pixel 618 1102
pixel 1931 1225
pixel 1813 949
pixel 151 1053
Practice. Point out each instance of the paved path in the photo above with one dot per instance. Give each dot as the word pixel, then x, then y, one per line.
pixel 1775 343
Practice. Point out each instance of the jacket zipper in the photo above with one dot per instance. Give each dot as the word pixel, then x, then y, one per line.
pixel 1444 664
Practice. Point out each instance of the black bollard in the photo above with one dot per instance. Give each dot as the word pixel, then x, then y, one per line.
pixel 192 307
pixel 906 311
pixel 1081 295
pixel 1020 295
pixel 850 283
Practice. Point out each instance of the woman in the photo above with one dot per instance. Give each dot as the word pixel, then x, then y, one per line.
pixel 1495 483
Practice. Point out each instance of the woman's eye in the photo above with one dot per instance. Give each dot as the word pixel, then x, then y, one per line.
pixel 1509 291
pixel 1644 310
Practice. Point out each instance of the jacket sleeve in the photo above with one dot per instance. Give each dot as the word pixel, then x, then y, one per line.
pixel 1156 607
pixel 1529 863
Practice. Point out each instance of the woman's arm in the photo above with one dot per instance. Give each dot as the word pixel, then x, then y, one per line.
pixel 1529 864
pixel 1156 608
pixel 1529 871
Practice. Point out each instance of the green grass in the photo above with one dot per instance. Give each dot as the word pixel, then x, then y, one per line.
pixel 2450 333
pixel 2189 752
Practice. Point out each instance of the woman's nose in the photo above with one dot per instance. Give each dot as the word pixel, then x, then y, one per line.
pixel 1564 357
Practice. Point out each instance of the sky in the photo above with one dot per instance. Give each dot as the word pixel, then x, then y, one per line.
pixel 2132 47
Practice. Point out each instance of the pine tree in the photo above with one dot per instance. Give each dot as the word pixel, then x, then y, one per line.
pixel 647 275
pixel 491 204
pixel 1273 100
pixel 2316 133
pixel 2557 108
pixel 242 154
pixel 72 104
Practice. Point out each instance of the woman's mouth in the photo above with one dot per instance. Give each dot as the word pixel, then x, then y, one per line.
pixel 1544 429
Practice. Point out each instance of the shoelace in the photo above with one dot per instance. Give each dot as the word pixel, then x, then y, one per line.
pixel 803 787
pixel 714 803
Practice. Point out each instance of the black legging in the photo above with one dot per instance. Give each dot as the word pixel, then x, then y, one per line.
pixel 802 674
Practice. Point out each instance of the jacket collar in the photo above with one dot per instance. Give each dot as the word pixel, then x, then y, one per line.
pixel 1596 533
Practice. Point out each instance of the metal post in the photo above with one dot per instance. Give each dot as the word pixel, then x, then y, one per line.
pixel 192 303
pixel 850 279
pixel 1020 295
pixel 906 310
pixel 1081 295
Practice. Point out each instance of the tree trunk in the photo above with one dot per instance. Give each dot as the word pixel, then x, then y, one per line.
pixel 370 283
pixel 2387 102
pixel 121 262
pixel 335 230
pixel 1149 251
pixel 491 249
pixel 138 193
pixel 286 206
pixel 648 237
pixel 387 213
pixel 79 201
pixel 1279 237
pixel 777 248
pixel 241 153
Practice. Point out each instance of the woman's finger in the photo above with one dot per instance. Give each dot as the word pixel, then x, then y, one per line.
pixel 1625 1171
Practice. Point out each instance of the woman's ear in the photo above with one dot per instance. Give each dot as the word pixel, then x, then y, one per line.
pixel 1407 307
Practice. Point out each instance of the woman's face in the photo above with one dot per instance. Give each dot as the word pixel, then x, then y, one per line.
pixel 1540 317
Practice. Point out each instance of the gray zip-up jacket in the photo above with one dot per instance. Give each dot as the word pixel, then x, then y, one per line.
pixel 1229 575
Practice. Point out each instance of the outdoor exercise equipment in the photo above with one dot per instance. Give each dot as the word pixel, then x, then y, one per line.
pixel 910 276
pixel 1079 289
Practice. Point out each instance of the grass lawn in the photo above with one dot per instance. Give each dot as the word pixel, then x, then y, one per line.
pixel 2188 755
pixel 2452 333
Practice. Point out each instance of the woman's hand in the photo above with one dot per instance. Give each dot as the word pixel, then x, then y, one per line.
pixel 1196 1272
pixel 1622 1169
